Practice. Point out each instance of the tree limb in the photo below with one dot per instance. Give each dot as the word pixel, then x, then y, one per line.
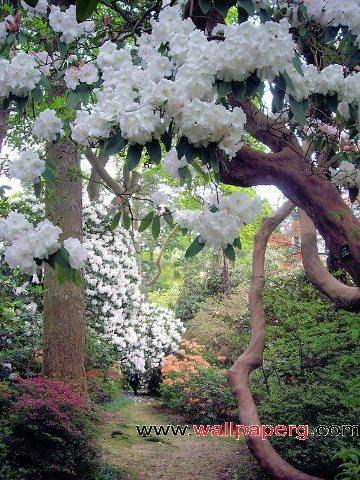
pixel 252 358
pixel 343 295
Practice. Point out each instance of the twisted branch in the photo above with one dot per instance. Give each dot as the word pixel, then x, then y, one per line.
pixel 252 359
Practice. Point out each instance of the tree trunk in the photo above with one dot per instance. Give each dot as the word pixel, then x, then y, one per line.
pixel 64 304
pixel 310 190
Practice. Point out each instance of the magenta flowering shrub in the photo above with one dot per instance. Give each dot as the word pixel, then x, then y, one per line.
pixel 49 432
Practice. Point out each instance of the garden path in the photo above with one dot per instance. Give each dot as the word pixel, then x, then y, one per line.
pixel 167 457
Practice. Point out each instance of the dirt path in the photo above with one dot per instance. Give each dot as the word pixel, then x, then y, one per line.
pixel 167 457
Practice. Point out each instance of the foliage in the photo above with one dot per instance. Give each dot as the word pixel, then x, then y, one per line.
pixel 47 431
pixel 310 356
pixel 194 387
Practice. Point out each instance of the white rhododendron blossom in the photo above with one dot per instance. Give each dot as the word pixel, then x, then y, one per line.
pixel 27 167
pixel 335 12
pixel 172 163
pixel 219 222
pixel 26 242
pixel 18 76
pixel 47 126
pixel 346 175
pixel 78 253
pixel 85 74
pixel 40 8
pixel 65 23
pixel 142 99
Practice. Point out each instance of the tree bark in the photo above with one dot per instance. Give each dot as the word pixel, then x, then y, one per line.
pixel 309 189
pixel 252 358
pixel 64 304
pixel 344 296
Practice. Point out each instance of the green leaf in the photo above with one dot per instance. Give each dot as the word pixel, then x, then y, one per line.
pixel 155 227
pixel 243 16
pixel 114 144
pixel 230 253
pixel 298 65
pixel 288 81
pixel 80 94
pixel 247 5
pixel 37 189
pixel 185 174
pixel 223 88
pixel 252 84
pixel 298 109
pixel 154 150
pixel 169 219
pixel 31 3
pixel 146 221
pixel 37 94
pixel 85 8
pixel 237 243
pixel 61 273
pixel 77 278
pixel 126 221
pixel 239 90
pixel 194 248
pixel 133 156
pixel 222 7
pixel 204 5
pixel 115 221
pixel 185 149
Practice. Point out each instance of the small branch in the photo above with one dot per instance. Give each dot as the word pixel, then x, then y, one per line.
pixel 162 251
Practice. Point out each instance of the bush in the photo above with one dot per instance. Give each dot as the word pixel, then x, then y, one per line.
pixel 310 356
pixel 103 386
pixel 47 432
pixel 195 388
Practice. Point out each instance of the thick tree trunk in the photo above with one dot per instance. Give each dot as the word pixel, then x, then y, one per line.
pixel 310 190
pixel 252 358
pixel 64 304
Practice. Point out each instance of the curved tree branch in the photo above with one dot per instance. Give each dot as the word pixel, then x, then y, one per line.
pixel 94 184
pixel 161 254
pixel 252 358
pixel 343 295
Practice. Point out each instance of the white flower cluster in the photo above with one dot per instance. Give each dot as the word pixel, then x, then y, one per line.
pixel 335 12
pixel 27 242
pixel 86 73
pixel 65 22
pixel 142 100
pixel 47 126
pixel 27 167
pixel 78 252
pixel 346 175
pixel 40 8
pixel 330 80
pixel 18 76
pixel 142 334
pixel 219 222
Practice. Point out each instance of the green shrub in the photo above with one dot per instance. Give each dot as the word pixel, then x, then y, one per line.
pixel 311 356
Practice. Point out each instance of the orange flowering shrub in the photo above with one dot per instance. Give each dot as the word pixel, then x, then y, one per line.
pixel 194 387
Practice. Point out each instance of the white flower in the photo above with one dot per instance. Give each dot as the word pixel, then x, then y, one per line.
pixel 86 74
pixel 47 126
pixel 78 252
pixel 172 163
pixel 14 224
pixel 65 23
pixel 343 109
pixel 27 167
pixel 23 74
